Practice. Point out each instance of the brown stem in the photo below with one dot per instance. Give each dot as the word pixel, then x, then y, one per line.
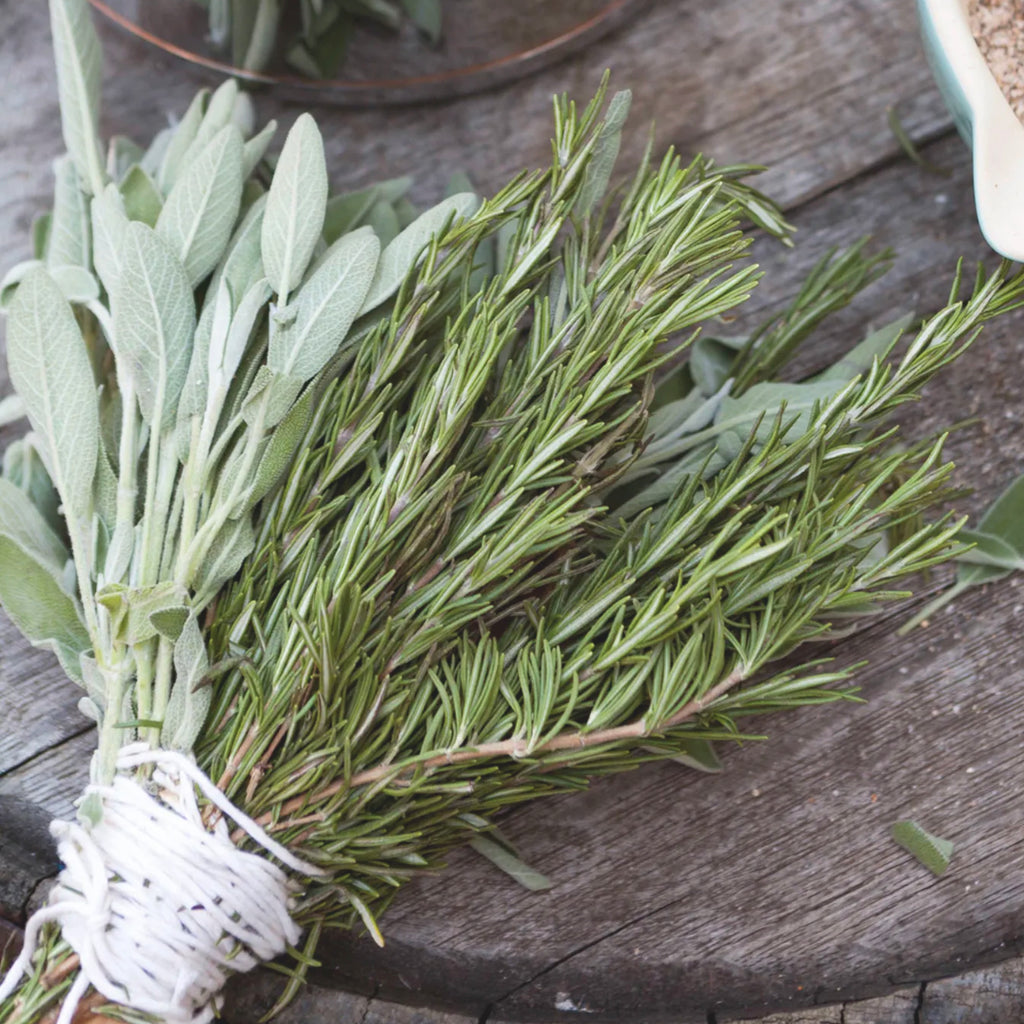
pixel 574 740
pixel 56 974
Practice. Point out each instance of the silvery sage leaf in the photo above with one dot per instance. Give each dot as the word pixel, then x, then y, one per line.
pixel 270 397
pixel 77 285
pixel 201 209
pixel 122 155
pixel 384 221
pixel 932 851
pixel 296 204
pixel 79 71
pixel 154 321
pixel 325 306
pixel 225 356
pixel 348 211
pixel 189 703
pixel 280 450
pixel 400 256
pixel 229 550
pixel 12 409
pixel 14 277
pixel 875 346
pixel 606 152
pixel 256 148
pixel 51 371
pixel 242 264
pixel 142 199
pixel 108 224
pixel 217 115
pixel 31 589
pixel 152 159
pixel 173 158
pixel 70 235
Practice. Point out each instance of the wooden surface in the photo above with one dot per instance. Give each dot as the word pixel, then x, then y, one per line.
pixel 677 896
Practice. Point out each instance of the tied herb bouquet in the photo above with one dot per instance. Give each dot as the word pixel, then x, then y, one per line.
pixel 357 526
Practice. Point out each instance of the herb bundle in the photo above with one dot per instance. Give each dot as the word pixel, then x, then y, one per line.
pixel 394 533
pixel 252 30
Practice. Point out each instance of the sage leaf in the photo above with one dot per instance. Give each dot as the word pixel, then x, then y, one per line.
pixel 242 264
pixel 348 211
pixel 41 235
pixel 326 306
pixel 189 703
pixel 280 451
pixel 12 409
pixel 606 152
pixel 270 397
pixel 930 850
pixel 23 466
pixel 79 72
pixel 201 209
pixel 400 256
pixel 142 199
pixel 710 364
pixel 383 218
pixel 1002 527
pixel 76 284
pixel 698 754
pixel 506 860
pixel 989 550
pixel 31 591
pixel 14 277
pixel 876 345
pixel 765 402
pixel 264 34
pixel 228 552
pixel 255 149
pixel 108 224
pixel 154 322
pixel 50 369
pixel 122 155
pixel 225 356
pixel 426 16
pixel 70 233
pixel 218 114
pixel 296 204
pixel 179 143
pixel 152 159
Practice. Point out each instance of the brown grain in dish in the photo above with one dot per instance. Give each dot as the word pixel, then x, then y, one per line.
pixel 998 29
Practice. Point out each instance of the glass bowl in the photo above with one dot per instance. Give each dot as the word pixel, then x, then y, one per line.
pixel 484 44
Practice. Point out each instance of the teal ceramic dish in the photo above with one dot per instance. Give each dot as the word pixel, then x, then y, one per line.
pixel 984 119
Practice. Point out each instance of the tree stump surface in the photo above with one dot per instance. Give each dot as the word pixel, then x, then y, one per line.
pixel 773 886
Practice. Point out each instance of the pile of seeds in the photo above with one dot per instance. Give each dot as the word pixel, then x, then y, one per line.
pixel 998 28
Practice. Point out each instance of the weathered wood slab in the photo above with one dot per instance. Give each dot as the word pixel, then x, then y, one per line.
pixel 774 884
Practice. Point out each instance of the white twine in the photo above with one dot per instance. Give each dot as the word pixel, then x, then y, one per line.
pixel 160 910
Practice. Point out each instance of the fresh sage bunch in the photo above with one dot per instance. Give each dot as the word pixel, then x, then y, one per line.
pixel 395 523
pixel 313 36
pixel 167 345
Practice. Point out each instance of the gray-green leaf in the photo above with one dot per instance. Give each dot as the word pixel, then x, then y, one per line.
pixel 326 306
pixel 31 591
pixel 201 209
pixel 606 152
pixel 400 256
pixel 69 242
pixel 51 370
pixel 930 850
pixel 154 322
pixel 108 224
pixel 190 699
pixel 296 204
pixel 79 71
pixel 142 199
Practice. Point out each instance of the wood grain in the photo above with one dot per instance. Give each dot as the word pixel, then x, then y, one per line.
pixel 773 885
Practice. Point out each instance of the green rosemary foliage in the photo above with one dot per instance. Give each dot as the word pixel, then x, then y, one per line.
pixel 493 583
